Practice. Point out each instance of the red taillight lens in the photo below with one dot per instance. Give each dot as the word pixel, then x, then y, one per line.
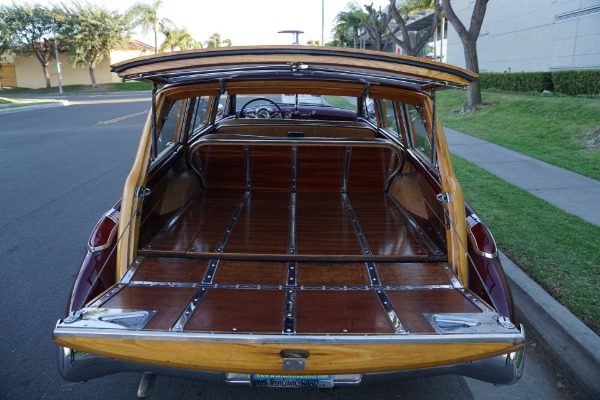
pixel 105 231
pixel 481 238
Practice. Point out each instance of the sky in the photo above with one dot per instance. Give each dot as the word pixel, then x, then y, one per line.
pixel 245 22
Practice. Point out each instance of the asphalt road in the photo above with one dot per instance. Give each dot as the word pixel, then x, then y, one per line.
pixel 60 169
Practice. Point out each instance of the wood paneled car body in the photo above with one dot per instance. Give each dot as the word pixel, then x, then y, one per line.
pixel 275 242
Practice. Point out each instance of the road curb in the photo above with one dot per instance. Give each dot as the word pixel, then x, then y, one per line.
pixel 8 110
pixel 572 346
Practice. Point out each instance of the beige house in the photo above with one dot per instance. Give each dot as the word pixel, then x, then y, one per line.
pixel 28 72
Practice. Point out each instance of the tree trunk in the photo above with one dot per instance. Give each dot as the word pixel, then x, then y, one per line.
pixel 92 77
pixel 46 75
pixel 469 41
pixel 474 90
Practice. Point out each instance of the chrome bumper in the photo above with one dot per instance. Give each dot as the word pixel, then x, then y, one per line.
pixel 77 366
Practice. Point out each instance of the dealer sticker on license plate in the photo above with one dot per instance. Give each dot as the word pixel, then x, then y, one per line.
pixel 293 381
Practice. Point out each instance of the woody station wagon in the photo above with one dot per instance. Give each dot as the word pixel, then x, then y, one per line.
pixel 267 239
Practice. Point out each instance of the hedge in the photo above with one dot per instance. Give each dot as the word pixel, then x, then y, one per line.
pixel 573 83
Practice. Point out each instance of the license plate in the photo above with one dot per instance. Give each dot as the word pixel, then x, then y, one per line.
pixel 292 381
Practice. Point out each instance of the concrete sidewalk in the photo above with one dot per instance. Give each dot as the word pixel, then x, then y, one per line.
pixel 574 193
pixel 574 348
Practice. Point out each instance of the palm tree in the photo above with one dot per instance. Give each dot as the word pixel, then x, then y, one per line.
pixel 146 16
pixel 216 41
pixel 347 24
pixel 178 38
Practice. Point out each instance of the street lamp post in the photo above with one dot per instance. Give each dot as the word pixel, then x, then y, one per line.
pixel 60 90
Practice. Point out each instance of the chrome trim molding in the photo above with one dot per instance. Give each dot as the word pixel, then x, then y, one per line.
pixel 63 330
pixel 113 215
pixel 232 221
pixel 289 313
pixel 391 313
pixel 185 316
pixel 132 270
pixel 103 298
pixel 362 239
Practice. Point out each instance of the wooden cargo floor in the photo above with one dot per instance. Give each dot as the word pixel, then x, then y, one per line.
pixel 320 226
pixel 302 263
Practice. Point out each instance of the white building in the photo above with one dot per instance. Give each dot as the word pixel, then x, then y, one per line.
pixel 531 35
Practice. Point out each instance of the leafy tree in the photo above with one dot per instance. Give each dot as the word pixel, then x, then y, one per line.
pixel 401 15
pixel 347 24
pixel 90 33
pixel 314 43
pixel 178 38
pixel 29 29
pixel 376 27
pixel 216 41
pixel 469 42
pixel 146 16
pixel 5 45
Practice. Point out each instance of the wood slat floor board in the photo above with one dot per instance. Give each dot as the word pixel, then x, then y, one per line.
pixel 210 215
pixel 251 272
pixel 332 274
pixel 163 269
pixel 239 311
pixel 340 312
pixel 169 301
pixel 322 223
pixel 397 274
pixel 411 304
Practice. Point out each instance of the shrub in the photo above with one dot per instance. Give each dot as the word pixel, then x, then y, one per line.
pixel 517 82
pixel 573 83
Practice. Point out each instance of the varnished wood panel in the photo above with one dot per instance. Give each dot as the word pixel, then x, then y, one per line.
pixel 212 223
pixel 204 221
pixel 271 168
pixel 162 269
pixel 251 272
pixel 332 274
pixel 339 312
pixel 323 225
pixel 411 304
pixel 263 225
pixel 386 230
pixel 239 310
pixel 320 169
pixel 223 167
pixel 169 301
pixel 276 129
pixel 401 274
pixel 369 169
pixel 264 358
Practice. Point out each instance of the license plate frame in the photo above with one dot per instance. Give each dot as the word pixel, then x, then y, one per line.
pixel 292 381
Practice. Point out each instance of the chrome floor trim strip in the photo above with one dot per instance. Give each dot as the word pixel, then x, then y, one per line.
pixel 135 265
pixel 289 313
pixel 171 223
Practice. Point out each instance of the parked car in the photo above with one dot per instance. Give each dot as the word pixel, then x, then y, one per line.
pixel 293 244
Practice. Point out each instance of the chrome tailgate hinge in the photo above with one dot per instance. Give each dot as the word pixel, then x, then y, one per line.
pixel 142 192
pixel 444 198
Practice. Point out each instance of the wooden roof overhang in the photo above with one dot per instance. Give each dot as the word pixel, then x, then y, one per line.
pixel 294 62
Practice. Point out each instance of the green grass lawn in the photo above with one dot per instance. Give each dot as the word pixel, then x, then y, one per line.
pixel 108 87
pixel 558 250
pixel 553 129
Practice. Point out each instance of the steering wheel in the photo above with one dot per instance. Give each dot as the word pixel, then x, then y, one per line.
pixel 262 99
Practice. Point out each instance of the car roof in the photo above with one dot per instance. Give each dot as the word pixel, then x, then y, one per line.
pixel 285 62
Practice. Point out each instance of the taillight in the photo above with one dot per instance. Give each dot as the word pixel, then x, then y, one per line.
pixel 480 237
pixel 103 234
